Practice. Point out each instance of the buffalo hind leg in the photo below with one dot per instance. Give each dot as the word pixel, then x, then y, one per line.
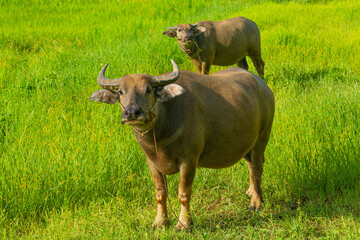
pixel 255 160
pixel 258 62
pixel 187 174
pixel 161 196
pixel 247 158
pixel 243 64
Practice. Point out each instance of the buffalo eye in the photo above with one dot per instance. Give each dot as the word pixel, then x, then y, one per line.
pixel 121 92
pixel 179 30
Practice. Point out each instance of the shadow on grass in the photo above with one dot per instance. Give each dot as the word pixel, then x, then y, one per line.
pixel 303 1
pixel 314 212
pixel 306 78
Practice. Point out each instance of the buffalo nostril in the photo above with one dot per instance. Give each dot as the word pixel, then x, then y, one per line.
pixel 137 113
pixel 126 113
pixel 187 38
pixel 132 111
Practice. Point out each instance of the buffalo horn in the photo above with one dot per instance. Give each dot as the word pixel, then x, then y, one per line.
pixel 110 84
pixel 163 80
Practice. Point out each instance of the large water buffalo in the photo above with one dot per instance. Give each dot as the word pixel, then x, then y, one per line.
pixel 223 43
pixel 209 121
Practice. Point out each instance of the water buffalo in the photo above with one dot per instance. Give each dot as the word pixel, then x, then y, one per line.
pixel 220 43
pixel 209 121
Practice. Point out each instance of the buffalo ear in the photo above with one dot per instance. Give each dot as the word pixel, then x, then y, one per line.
pixel 170 33
pixel 169 92
pixel 199 30
pixel 106 96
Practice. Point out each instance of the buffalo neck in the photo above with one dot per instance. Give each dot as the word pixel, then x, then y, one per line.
pixel 165 124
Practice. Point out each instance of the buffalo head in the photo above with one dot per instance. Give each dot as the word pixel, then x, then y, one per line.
pixel 184 33
pixel 137 93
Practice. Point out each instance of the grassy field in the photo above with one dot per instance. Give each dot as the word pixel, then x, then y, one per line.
pixel 70 170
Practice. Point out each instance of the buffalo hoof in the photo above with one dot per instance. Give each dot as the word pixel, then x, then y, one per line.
pixel 251 208
pixel 180 226
pixel 160 224
pixel 256 200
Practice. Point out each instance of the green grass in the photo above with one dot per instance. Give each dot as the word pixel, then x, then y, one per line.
pixel 69 169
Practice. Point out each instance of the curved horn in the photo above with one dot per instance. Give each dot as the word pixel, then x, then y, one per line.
pixel 172 28
pixel 110 84
pixel 163 80
pixel 194 25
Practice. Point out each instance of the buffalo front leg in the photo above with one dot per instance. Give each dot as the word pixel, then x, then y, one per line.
pixel 197 65
pixel 187 174
pixel 202 67
pixel 205 67
pixel 161 196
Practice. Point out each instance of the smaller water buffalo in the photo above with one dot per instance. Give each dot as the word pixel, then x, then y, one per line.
pixel 201 121
pixel 222 43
